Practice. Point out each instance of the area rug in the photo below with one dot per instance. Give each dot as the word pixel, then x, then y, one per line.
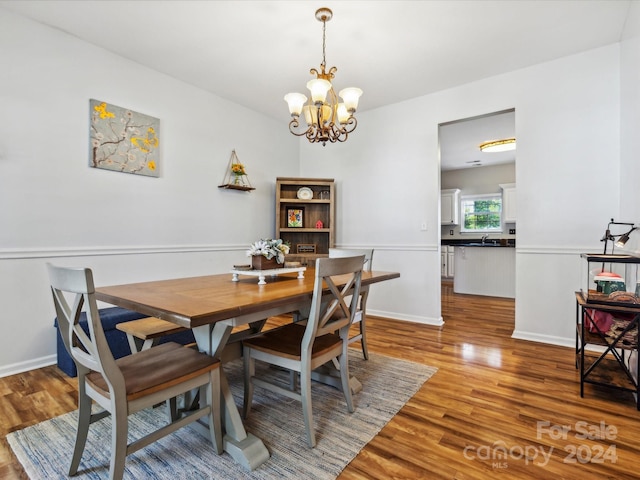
pixel 45 449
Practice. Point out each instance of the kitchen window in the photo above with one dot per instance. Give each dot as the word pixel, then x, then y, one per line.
pixel 481 213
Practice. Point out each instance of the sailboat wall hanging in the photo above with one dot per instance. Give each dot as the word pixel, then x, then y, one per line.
pixel 236 177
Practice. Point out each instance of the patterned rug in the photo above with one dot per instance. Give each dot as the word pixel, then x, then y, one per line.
pixel 45 449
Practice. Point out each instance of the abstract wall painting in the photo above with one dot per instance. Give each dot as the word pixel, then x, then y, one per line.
pixel 123 140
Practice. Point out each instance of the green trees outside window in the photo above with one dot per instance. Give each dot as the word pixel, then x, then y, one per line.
pixel 482 213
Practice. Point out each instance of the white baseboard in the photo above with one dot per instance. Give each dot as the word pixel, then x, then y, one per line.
pixel 551 340
pixel 438 322
pixel 21 367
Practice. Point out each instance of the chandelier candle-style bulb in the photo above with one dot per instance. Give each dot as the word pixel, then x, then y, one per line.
pixel 311 115
pixel 343 114
pixel 327 119
pixel 319 89
pixel 295 101
pixel 350 96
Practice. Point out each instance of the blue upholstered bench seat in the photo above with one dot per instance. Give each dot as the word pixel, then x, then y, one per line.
pixel 116 339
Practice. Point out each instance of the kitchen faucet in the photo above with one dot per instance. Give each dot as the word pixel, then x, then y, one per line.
pixel 484 237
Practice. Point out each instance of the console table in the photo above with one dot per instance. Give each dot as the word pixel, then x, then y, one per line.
pixel 612 364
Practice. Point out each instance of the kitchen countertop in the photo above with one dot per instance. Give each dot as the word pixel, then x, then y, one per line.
pixel 473 242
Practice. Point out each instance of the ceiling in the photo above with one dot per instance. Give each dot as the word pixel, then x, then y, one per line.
pixel 254 52
pixel 460 141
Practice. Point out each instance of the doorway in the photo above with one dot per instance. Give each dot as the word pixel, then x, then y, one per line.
pixel 465 172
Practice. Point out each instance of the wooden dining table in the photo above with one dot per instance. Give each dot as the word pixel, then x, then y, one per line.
pixel 212 306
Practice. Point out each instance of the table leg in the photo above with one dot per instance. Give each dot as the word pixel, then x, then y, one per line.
pixel 245 448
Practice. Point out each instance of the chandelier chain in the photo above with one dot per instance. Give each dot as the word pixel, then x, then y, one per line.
pixel 324 44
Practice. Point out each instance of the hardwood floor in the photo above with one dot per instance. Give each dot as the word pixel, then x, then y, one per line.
pixel 490 392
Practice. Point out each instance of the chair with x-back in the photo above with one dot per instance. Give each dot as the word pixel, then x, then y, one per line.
pixel 304 346
pixel 129 384
pixel 361 313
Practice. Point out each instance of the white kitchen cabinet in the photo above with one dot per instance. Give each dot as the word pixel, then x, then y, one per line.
pixel 447 261
pixel 450 206
pixel 509 204
pixel 450 261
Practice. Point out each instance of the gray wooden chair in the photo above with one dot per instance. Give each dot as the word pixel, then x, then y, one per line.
pixel 129 384
pixel 361 313
pixel 304 347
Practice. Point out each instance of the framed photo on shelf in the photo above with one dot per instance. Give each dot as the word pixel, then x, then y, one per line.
pixel 294 217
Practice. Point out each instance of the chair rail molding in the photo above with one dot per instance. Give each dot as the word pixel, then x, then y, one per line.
pixel 30 253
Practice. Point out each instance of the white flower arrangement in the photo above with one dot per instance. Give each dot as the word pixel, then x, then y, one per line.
pixel 269 249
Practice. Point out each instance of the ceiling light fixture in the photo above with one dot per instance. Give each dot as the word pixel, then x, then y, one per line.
pixel 328 120
pixel 498 145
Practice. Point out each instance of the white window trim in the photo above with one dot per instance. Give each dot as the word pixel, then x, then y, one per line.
pixel 482 196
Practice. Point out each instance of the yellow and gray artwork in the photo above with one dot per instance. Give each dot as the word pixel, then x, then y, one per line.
pixel 123 140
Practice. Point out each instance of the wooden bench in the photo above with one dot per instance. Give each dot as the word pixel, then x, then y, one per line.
pixel 144 333
pixel 117 339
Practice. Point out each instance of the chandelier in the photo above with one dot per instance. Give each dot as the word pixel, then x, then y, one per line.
pixel 328 120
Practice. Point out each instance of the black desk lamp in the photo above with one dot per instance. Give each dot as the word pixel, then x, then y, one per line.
pixel 622 238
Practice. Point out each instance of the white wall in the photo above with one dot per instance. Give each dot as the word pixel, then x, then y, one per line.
pixel 387 182
pixel 567 125
pixel 568 115
pixel 630 117
pixel 479 180
pixel 127 227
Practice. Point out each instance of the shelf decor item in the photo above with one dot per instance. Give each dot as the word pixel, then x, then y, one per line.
pixel 294 218
pixel 238 173
pixel 304 193
pixel 267 254
pixel 306 248
pixel 611 279
pixel 236 176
